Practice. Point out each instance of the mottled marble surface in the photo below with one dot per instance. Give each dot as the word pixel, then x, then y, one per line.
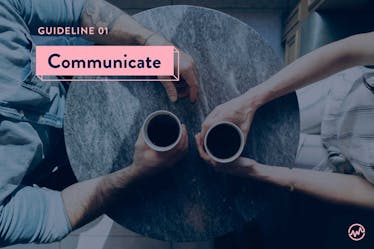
pixel 190 202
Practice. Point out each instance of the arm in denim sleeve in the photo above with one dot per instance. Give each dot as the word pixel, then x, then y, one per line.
pixel 38 13
pixel 33 214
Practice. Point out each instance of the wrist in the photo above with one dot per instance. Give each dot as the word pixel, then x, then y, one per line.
pixel 143 170
pixel 255 170
pixel 134 171
pixel 123 177
pixel 255 98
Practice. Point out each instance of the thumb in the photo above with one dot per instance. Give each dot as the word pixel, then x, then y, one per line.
pixel 170 90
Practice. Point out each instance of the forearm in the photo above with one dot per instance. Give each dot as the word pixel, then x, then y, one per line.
pixel 123 29
pixel 315 66
pixel 333 187
pixel 87 200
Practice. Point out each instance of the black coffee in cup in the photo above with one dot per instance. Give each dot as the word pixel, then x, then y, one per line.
pixel 224 142
pixel 163 130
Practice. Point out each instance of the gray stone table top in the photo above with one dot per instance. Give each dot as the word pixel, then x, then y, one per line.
pixel 190 202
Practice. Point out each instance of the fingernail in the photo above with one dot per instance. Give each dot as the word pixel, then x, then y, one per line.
pixel 173 98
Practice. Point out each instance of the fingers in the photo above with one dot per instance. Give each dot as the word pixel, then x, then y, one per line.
pixel 174 93
pixel 200 144
pixel 170 90
pixel 190 76
pixel 210 120
pixel 183 89
pixel 246 126
pixel 202 152
pixel 183 143
pixel 184 94
pixel 200 148
pixel 140 139
pixel 204 130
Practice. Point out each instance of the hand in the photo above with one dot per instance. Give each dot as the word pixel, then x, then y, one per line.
pixel 147 160
pixel 187 71
pixel 239 110
pixel 243 167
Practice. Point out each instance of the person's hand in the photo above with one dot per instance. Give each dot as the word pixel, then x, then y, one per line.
pixel 238 111
pixel 242 167
pixel 190 85
pixel 147 160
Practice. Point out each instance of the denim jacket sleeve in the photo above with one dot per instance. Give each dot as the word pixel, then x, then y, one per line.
pixel 38 13
pixel 33 215
pixel 27 214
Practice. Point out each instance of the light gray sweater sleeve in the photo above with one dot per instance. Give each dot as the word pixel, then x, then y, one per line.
pixel 33 215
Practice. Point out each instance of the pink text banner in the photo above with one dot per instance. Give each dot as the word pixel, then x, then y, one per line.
pixel 122 63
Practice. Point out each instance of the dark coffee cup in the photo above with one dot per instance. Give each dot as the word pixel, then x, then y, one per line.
pixel 162 130
pixel 224 142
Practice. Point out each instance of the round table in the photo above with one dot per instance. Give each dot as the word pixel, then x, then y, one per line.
pixel 191 201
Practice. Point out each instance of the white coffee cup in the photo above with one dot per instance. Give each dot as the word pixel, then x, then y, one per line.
pixel 162 130
pixel 224 142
